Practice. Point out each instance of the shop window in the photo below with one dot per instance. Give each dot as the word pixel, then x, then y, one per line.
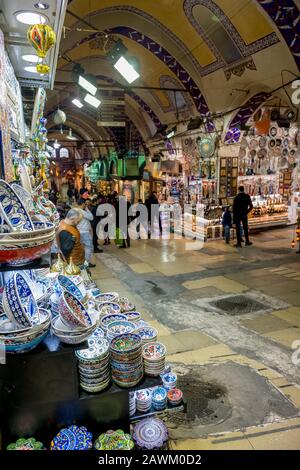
pixel 64 153
pixel 215 31
pixel 113 168
pixel 102 170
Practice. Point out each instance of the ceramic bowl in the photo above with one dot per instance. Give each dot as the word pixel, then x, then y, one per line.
pixel 119 327
pixel 15 348
pixel 60 328
pixel 70 337
pixel 39 229
pixel 18 301
pixel 15 256
pixel 68 285
pixel 147 334
pixel 154 351
pixel 107 319
pixel 13 329
pixel 72 311
pixel 107 308
pixel 175 396
pixel 133 316
pixel 106 297
pixel 13 210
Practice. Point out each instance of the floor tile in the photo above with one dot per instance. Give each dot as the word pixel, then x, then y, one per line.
pixel 285 337
pixel 265 324
pixel 220 282
pixel 142 268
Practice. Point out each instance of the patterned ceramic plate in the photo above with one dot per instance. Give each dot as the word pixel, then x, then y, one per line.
pixel 13 210
pixel 125 343
pixel 133 316
pixel 272 143
pixel 97 349
pixel 26 444
pixel 120 327
pixel 150 433
pixel 262 153
pixel 293 131
pixel 72 438
pixel 106 308
pixel 154 351
pixel 107 297
pixel 114 440
pixel 107 319
pixel 253 144
pixel 263 141
pixel 147 333
pixel 273 131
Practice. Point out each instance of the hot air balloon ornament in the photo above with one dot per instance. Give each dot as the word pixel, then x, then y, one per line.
pixel 42 38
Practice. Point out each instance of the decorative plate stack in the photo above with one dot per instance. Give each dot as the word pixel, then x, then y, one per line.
pixel 126 360
pixel 22 240
pixel 132 404
pixel 119 328
pixel 147 334
pixel 150 434
pixel 93 365
pixel 107 297
pixel 24 325
pixel 169 380
pixel 133 316
pixel 159 398
pixel 143 400
pixel 108 308
pixel 126 305
pixel 112 317
pixel 175 396
pixel 114 440
pixel 72 438
pixel 154 357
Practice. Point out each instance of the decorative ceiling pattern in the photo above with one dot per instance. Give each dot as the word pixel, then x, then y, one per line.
pixel 248 109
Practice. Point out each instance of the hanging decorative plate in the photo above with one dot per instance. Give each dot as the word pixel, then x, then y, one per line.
pixel 262 153
pixel 277 151
pixel 253 144
pixel 273 131
pixel 278 142
pixel 283 162
pixel 244 143
pixel 253 153
pixel 291 160
pixel 12 209
pixel 242 152
pixel 292 143
pixel 206 147
pixel 72 438
pixel 285 142
pixel 285 152
pixel 293 131
pixel 272 143
pixel 232 136
pixel 292 152
pixel 286 132
pixel 114 440
pixel 263 141
pixel 150 433
pixel 279 132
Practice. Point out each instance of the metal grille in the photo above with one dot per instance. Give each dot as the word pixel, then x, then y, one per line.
pixel 238 305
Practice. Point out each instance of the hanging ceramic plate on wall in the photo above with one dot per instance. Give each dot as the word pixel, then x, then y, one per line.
pixel 292 143
pixel 277 151
pixel 285 142
pixel 286 132
pixel 206 147
pixel 273 131
pixel 252 153
pixel 263 141
pixel 285 152
pixel 293 131
pixel 244 143
pixel 279 132
pixel 242 152
pixel 253 144
pixel 262 153
pixel 292 152
pixel 291 160
pixel 278 142
pixel 283 162
pixel 272 143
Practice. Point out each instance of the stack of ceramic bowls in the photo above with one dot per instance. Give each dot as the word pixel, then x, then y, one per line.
pixel 74 324
pixel 93 365
pixel 67 285
pixel 174 396
pixel 16 339
pixel 126 360
pixel 169 380
pixel 54 301
pixel 159 398
pixel 143 400
pixel 133 316
pixel 114 440
pixel 107 319
pixel 72 438
pixel 147 334
pixel 117 328
pixel 125 305
pixel 108 308
pixel 150 434
pixel 154 356
pixel 107 297
pixel 132 404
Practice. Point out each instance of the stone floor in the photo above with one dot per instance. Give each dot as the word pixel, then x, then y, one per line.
pixel 237 359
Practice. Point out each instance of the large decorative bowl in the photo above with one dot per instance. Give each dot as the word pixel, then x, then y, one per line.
pixel 16 256
pixel 72 311
pixel 19 303
pixel 107 297
pixel 72 438
pixel 13 210
pixel 114 440
pixel 107 308
pixel 66 284
pixel 59 327
pixel 12 331
pixel 26 444
pixel 119 328
pixel 30 342
pixel 39 229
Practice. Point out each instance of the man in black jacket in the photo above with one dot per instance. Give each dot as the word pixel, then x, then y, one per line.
pixel 242 206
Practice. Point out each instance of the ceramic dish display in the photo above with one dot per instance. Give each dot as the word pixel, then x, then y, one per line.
pixel 159 398
pixel 126 360
pixel 107 319
pixel 126 305
pixel 72 311
pixel 133 316
pixel 118 328
pixel 72 438
pixel 68 285
pixel 114 440
pixel 18 301
pixel 150 434
pixel 94 365
pixel 26 444
pixel 12 209
pixel 107 297
pixel 143 400
pixel 147 334
pixel 154 355
pixel 169 380
pixel 175 396
pixel 107 308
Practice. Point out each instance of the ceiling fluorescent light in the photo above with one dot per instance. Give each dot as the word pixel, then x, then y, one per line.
pixel 56 144
pixel 31 58
pixel 31 69
pixel 126 70
pixel 171 134
pixel 92 100
pixel 30 17
pixel 77 103
pixel 88 86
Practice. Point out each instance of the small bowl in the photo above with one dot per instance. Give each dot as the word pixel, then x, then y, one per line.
pixel 72 311
pixel 68 285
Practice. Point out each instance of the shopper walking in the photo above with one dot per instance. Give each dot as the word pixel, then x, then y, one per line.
pixel 93 208
pixel 242 206
pixel 227 223
pixel 86 231
pixel 68 237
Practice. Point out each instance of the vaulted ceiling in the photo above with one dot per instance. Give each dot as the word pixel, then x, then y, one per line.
pixel 224 54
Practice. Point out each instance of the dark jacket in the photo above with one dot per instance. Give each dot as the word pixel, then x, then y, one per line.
pixel 227 219
pixel 242 205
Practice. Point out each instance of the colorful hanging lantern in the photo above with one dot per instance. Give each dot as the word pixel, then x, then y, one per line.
pixel 42 38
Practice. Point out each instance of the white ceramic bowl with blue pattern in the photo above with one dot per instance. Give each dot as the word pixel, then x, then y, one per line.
pixel 19 303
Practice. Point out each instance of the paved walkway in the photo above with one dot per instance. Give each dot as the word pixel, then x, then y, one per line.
pixel 242 343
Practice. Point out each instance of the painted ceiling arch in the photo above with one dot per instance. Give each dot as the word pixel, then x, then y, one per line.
pixel 249 108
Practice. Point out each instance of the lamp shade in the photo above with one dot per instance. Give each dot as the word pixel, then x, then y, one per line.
pixel 42 38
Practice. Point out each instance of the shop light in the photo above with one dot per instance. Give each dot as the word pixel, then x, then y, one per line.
pixel 30 17
pixel 126 70
pixel 41 6
pixel 56 144
pixel 70 135
pixel 87 85
pixel 31 58
pixel 77 103
pixel 31 69
pixel 92 100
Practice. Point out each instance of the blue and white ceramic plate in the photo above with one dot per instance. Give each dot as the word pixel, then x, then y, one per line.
pixel 147 333
pixel 13 210
pixel 19 303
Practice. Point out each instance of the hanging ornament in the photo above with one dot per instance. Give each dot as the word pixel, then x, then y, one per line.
pixel 59 117
pixel 42 38
pixel 43 130
pixel 43 121
pixel 293 244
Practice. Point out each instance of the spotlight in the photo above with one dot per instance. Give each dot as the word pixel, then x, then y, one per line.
pixel 77 103
pixel 70 135
pixel 126 70
pixel 56 144
pixel 87 84
pixel 92 100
